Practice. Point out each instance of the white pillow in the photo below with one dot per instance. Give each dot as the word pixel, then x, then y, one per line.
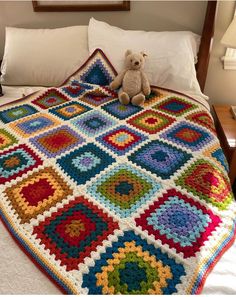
pixel 43 57
pixel 171 55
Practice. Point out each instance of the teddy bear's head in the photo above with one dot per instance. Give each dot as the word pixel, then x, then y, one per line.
pixel 134 61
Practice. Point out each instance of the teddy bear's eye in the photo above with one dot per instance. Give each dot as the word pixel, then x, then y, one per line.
pixel 131 60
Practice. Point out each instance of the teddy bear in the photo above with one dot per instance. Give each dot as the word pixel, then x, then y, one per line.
pixel 132 80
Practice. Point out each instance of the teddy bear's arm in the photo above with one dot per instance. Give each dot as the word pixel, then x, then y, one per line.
pixel 145 85
pixel 117 82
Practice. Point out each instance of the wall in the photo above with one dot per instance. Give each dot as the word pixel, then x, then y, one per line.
pixel 221 84
pixel 146 15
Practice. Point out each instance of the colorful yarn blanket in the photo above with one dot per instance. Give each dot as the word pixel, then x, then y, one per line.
pixel 114 199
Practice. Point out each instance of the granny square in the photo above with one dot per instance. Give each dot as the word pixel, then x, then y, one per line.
pixel 180 222
pixel 121 140
pixel 175 106
pixel 57 141
pixel 210 185
pixel 124 189
pixel 220 157
pixel 202 118
pixel 6 139
pixel 216 154
pixel 15 113
pixel 160 158
pixel 17 161
pixel 84 163
pixel 69 110
pixel 119 110
pixel 96 70
pixel 99 96
pixel 74 231
pixel 154 97
pixel 36 193
pixel 151 121
pixel 188 135
pixel 93 123
pixel 130 265
pixel 34 124
pixel 50 98
pixel 76 89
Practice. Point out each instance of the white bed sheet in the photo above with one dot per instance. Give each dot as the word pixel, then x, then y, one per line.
pixel 12 93
pixel 18 275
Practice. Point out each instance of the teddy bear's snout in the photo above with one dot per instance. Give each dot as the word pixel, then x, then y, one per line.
pixel 136 63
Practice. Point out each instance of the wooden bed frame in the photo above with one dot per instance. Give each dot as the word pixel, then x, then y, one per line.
pixel 205 45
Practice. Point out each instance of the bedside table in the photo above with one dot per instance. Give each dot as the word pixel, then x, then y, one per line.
pixel 226 131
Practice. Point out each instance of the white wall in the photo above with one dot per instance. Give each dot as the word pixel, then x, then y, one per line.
pixel 221 84
pixel 146 15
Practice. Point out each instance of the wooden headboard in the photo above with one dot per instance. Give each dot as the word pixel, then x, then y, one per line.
pixel 206 42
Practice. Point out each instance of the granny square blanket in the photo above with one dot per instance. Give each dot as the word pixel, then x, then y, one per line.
pixel 114 199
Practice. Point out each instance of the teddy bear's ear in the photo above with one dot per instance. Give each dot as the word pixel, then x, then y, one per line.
pixel 128 52
pixel 143 54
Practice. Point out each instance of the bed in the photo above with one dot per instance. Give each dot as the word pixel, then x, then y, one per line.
pixel 129 225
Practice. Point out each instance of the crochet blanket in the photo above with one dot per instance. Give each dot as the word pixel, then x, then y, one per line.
pixel 113 199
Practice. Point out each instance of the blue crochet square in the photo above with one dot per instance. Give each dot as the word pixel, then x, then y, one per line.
pixel 119 110
pixel 127 267
pixel 84 163
pixel 160 158
pixel 93 123
pixel 97 74
pixel 220 157
pixel 35 124
pixel 16 113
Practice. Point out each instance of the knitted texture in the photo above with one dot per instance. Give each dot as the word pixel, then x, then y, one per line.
pixel 151 121
pixel 57 141
pixel 175 106
pixel 160 158
pixel 85 162
pixel 114 199
pixel 121 139
pixel 16 161
pixel 96 70
pixel 50 98
pixel 69 110
pixel 93 123
pixel 98 96
pixel 188 135
pixel 120 111
pixel 16 113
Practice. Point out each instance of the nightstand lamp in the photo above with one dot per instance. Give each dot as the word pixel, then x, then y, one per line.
pixel 229 38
